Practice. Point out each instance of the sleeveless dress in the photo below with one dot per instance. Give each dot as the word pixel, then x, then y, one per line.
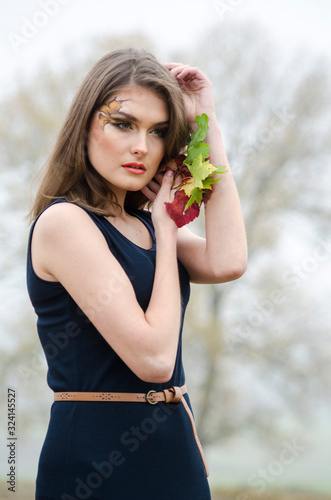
pixel 102 449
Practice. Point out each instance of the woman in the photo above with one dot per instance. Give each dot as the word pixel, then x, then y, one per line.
pixel 110 283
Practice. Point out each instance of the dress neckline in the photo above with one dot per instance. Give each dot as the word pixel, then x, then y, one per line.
pixel 135 214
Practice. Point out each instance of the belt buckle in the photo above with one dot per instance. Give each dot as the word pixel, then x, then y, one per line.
pixel 148 395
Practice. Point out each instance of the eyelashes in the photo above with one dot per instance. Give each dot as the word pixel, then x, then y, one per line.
pixel 159 132
pixel 121 125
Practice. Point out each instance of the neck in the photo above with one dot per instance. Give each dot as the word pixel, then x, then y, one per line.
pixel 118 210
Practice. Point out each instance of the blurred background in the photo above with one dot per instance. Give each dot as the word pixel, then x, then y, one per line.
pixel 258 350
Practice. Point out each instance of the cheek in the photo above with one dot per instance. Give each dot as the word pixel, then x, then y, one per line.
pixel 159 152
pixel 99 145
pixel 94 140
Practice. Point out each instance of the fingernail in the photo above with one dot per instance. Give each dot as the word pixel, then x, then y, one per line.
pixel 169 172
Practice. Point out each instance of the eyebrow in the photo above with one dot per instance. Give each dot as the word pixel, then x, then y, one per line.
pixel 134 119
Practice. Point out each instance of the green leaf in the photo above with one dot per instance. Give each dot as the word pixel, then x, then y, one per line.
pixel 198 187
pixel 196 195
pixel 201 133
pixel 220 170
pixel 200 170
pixel 193 151
pixel 207 183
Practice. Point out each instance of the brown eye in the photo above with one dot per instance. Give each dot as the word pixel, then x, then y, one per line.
pixel 161 132
pixel 123 125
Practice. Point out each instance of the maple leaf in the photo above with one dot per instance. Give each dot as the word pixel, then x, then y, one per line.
pixel 196 146
pixel 179 160
pixel 207 194
pixel 192 152
pixel 200 134
pixel 196 172
pixel 200 170
pixel 196 197
pixel 207 183
pixel 176 209
pixel 188 186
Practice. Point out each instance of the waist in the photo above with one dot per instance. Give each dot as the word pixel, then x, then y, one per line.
pixel 171 395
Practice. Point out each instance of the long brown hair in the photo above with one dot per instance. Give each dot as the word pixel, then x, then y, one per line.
pixel 69 173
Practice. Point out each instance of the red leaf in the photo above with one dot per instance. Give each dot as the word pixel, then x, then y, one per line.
pixel 176 209
pixel 179 160
pixel 185 171
pixel 207 194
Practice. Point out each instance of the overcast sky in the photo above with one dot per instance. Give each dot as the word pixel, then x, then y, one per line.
pixel 33 31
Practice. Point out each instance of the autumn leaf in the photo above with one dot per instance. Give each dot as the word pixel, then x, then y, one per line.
pixel 176 209
pixel 207 194
pixel 188 186
pixel 196 146
pixel 201 133
pixel 193 152
pixel 200 170
pixel 197 176
pixel 196 197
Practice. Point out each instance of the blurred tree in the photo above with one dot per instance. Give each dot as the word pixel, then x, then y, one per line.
pixel 40 107
pixel 253 347
pixel 263 349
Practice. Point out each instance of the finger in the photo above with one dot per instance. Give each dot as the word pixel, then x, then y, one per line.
pixel 158 178
pixel 165 190
pixel 163 166
pixel 171 65
pixel 151 189
pixel 176 70
pixel 189 73
pixel 170 165
pixel 186 74
pixel 154 185
pixel 151 195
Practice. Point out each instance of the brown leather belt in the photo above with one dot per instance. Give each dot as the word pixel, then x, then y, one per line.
pixel 171 395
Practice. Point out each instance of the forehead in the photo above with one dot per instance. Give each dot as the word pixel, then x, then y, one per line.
pixel 142 103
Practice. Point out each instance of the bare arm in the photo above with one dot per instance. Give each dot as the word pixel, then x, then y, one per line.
pixel 222 255
pixel 71 249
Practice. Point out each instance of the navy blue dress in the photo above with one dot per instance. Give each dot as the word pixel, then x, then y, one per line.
pixel 110 450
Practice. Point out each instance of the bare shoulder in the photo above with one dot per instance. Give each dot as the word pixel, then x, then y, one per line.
pixel 64 220
pixel 65 234
pixel 59 213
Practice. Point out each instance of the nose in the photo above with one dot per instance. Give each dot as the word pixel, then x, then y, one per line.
pixel 139 146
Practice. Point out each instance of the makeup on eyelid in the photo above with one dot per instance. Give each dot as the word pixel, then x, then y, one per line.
pixel 107 110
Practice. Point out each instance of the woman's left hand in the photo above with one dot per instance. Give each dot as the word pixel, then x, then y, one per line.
pixel 153 187
pixel 197 90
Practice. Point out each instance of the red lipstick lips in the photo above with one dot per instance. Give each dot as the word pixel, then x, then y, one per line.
pixel 135 168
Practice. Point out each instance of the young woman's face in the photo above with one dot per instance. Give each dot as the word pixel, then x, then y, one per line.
pixel 126 138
